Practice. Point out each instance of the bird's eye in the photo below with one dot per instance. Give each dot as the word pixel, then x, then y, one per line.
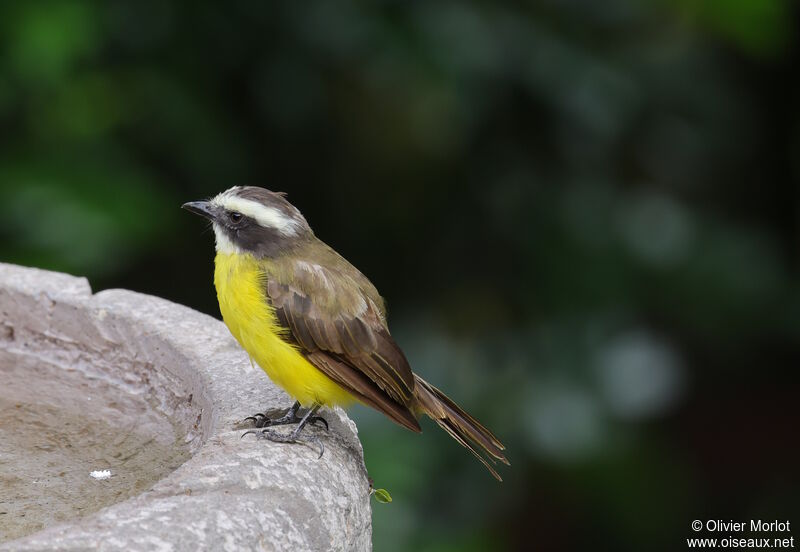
pixel 235 217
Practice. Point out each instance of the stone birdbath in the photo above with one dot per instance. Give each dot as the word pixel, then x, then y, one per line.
pixel 120 429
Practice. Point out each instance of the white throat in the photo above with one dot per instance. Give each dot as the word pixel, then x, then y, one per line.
pixel 224 244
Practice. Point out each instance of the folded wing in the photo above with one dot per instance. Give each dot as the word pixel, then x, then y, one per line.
pixel 342 332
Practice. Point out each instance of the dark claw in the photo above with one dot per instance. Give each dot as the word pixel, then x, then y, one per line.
pixel 263 422
pixel 255 419
pixel 266 422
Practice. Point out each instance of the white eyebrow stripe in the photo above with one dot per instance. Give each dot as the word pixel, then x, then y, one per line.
pixel 268 217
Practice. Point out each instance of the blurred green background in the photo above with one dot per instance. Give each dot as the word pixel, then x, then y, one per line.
pixel 584 217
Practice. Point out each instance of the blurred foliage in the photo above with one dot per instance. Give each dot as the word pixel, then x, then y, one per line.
pixel 583 215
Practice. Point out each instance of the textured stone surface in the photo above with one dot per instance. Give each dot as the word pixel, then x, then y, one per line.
pixel 233 493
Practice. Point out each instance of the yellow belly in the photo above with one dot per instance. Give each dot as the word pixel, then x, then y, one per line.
pixel 241 293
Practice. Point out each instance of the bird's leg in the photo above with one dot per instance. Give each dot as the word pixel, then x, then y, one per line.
pixel 294 436
pixel 262 420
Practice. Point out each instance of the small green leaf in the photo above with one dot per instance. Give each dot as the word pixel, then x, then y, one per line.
pixel 382 496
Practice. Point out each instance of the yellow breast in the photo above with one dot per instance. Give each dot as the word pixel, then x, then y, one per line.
pixel 251 319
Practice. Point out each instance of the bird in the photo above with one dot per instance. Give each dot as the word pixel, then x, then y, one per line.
pixel 316 325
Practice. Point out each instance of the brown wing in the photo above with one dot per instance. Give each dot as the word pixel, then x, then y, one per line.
pixel 342 332
pixel 364 389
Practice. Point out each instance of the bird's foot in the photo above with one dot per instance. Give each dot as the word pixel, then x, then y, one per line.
pixel 262 419
pixel 292 437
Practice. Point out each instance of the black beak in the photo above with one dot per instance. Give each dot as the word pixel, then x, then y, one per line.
pixel 202 208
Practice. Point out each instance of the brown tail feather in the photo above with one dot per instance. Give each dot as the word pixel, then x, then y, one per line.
pixel 461 426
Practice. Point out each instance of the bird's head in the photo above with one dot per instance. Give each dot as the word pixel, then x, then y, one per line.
pixel 249 219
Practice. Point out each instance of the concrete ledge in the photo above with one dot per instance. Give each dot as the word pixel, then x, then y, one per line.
pixel 233 493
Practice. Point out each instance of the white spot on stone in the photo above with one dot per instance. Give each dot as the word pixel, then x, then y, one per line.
pixel 100 475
